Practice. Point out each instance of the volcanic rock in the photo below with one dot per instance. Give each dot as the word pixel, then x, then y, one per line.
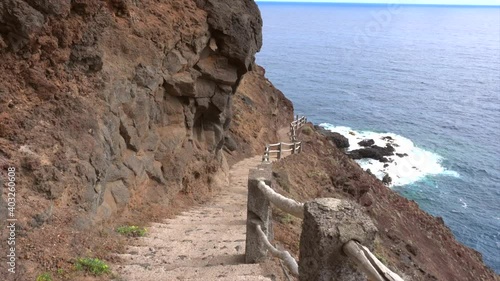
pixel 387 180
pixel 368 142
pixel 373 152
pixel 339 140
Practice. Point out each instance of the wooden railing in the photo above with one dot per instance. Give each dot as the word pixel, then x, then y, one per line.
pixel 285 256
pixel 280 149
pixel 295 126
pixel 368 263
pixel 335 228
pixel 321 235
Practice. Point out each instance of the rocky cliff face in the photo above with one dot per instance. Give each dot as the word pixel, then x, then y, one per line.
pixel 119 99
pixel 108 108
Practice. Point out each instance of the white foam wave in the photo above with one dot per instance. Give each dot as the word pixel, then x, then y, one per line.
pixel 403 170
pixel 464 204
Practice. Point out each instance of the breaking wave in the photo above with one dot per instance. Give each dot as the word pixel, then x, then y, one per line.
pixel 409 163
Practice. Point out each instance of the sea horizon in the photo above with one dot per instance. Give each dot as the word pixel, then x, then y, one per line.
pixel 375 4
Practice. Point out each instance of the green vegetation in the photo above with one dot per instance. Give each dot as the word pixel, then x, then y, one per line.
pixel 319 174
pixel 44 277
pixel 378 251
pixel 92 265
pixel 132 230
pixel 307 131
pixel 282 179
pixel 286 219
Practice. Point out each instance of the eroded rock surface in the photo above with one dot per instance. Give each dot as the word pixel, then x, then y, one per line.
pixel 107 107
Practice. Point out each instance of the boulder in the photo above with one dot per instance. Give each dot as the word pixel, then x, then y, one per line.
pixel 387 180
pixel 365 143
pixel 388 138
pixel 373 152
pixel 218 69
pixel 230 144
pixel 181 84
pixel 52 7
pixel 20 22
pixel 237 28
pixel 174 61
pixel 339 140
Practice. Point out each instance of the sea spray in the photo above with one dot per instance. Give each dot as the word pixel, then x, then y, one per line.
pixel 409 163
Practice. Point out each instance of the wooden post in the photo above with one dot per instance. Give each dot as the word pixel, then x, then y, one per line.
pixel 294 147
pixel 300 147
pixel 258 212
pixel 279 151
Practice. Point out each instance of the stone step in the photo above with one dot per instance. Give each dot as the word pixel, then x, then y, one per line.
pixel 196 231
pixel 170 263
pixel 189 248
pixel 208 273
pixel 228 219
pixel 237 278
pixel 236 206
pixel 203 244
pixel 159 243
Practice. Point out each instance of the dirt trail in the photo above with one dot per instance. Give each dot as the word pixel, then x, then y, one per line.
pixel 284 135
pixel 205 243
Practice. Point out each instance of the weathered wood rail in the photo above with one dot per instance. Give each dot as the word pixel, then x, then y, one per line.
pixel 280 149
pixel 295 126
pixel 283 149
pixel 332 229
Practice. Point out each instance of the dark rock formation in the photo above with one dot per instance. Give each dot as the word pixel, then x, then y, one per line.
pixel 236 28
pixel 373 152
pixel 387 180
pixel 369 142
pixel 337 139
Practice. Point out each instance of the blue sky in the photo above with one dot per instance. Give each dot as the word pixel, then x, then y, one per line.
pixel 441 2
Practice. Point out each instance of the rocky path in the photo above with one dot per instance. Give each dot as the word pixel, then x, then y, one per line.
pixel 206 243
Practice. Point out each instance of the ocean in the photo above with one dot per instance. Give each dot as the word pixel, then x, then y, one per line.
pixel 428 76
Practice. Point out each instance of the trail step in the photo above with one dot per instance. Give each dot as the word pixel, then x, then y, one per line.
pixel 206 243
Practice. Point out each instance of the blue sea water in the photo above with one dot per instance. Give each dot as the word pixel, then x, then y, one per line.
pixel 427 75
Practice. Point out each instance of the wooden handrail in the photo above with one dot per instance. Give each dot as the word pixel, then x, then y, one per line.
pixel 285 256
pixel 365 260
pixel 368 263
pixel 286 204
pixel 294 147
